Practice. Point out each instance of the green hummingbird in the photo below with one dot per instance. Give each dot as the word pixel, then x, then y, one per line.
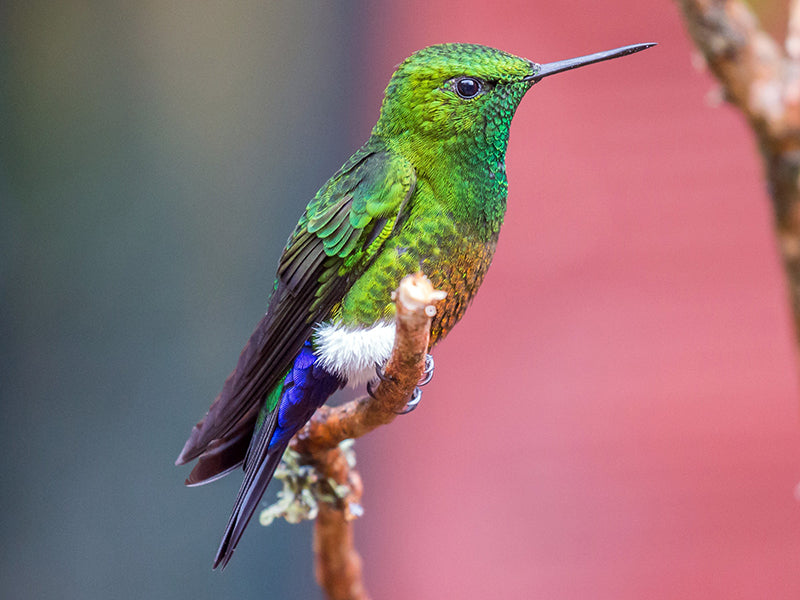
pixel 426 192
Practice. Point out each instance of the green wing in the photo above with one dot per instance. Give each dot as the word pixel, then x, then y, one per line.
pixel 341 232
pixel 346 223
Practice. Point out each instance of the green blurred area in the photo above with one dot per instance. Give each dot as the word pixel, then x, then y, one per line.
pixel 153 158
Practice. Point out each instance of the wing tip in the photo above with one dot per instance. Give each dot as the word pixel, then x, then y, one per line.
pixel 197 478
pixel 187 455
pixel 193 446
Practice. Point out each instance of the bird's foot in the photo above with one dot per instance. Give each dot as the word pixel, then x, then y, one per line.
pixel 427 372
pixel 381 377
pixel 416 395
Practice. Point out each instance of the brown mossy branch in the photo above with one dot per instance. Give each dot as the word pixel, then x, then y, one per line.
pixel 762 80
pixel 337 563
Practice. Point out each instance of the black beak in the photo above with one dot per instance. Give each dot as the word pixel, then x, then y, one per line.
pixel 573 63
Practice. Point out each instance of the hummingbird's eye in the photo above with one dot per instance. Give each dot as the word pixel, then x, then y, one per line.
pixel 468 87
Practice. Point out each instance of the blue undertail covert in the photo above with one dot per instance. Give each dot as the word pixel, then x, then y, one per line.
pixel 306 387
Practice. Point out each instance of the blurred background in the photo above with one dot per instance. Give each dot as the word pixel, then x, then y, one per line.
pixel 616 417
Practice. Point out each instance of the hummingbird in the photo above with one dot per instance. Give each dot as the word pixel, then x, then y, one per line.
pixel 426 192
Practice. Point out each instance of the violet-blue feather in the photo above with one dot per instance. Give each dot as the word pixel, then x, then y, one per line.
pixel 306 387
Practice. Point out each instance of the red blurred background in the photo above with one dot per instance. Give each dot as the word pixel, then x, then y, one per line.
pixel 617 415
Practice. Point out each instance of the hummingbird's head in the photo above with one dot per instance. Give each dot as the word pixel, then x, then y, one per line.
pixel 454 92
pixel 458 99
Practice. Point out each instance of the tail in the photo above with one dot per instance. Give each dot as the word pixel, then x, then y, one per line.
pixel 253 487
pixel 305 388
pixel 260 462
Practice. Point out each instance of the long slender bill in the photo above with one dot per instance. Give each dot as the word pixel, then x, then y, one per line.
pixel 573 63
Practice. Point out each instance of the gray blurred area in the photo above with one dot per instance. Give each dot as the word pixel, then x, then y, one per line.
pixel 153 159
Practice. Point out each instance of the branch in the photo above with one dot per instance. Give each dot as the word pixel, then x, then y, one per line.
pixel 338 565
pixel 792 43
pixel 763 81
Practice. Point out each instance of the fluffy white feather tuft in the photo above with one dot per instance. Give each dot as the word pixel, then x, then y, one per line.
pixel 352 353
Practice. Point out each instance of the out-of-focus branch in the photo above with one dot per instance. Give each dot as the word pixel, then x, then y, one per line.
pixel 793 30
pixel 338 564
pixel 763 81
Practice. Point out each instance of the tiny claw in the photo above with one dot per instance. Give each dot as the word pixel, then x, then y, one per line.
pixel 416 396
pixel 381 375
pixel 427 373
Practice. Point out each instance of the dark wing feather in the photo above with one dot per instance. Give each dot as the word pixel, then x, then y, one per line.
pixel 224 455
pixel 371 189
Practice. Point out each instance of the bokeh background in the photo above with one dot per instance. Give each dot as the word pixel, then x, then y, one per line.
pixel 616 417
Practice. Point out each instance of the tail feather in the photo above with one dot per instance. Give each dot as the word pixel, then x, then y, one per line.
pixel 253 488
